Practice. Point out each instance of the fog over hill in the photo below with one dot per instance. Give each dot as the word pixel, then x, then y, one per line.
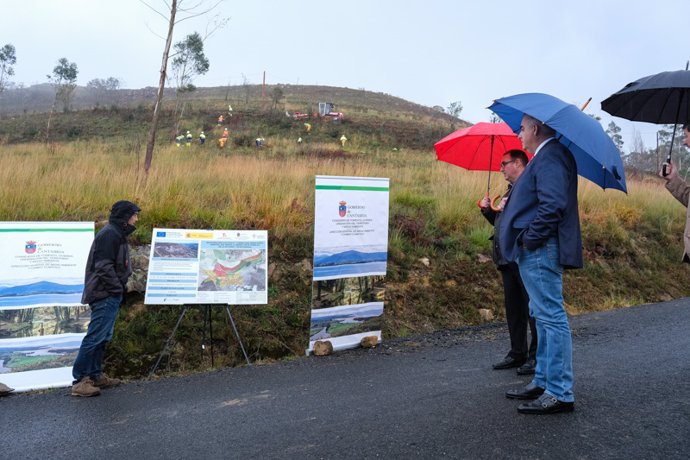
pixel 305 98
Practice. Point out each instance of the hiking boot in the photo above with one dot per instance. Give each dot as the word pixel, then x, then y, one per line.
pixel 103 381
pixel 85 387
pixel 5 390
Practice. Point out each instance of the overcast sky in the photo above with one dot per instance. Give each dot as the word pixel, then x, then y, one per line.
pixel 432 52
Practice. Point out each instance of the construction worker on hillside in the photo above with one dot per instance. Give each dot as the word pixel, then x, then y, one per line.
pixel 343 140
pixel 229 110
pixel 225 134
pixel 221 119
pixel 202 138
pixel 189 138
pixel 179 139
pixel 307 126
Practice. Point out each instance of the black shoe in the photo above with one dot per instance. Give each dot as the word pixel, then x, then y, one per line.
pixel 508 363
pixel 546 404
pixel 531 391
pixel 527 368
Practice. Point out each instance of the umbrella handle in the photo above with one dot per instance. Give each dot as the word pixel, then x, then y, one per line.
pixel 495 203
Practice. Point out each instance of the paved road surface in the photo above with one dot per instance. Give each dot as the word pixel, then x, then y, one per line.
pixel 425 397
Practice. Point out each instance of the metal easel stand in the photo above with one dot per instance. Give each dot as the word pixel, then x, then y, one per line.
pixel 237 335
pixel 169 341
pixel 177 325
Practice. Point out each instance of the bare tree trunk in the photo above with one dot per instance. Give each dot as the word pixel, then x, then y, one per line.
pixel 161 86
pixel 50 118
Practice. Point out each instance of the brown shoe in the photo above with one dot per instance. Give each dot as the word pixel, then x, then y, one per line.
pixel 85 388
pixel 106 382
pixel 5 390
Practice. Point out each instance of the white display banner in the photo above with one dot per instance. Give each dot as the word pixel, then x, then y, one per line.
pixel 42 321
pixel 208 267
pixel 350 227
pixel 350 259
pixel 43 263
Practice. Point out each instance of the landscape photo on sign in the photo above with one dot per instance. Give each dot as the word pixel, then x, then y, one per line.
pixel 350 260
pixel 345 320
pixel 34 353
pixel 348 291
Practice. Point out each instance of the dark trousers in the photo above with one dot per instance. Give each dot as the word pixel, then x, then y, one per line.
pixel 517 314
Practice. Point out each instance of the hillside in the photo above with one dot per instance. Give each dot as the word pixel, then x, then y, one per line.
pixel 126 114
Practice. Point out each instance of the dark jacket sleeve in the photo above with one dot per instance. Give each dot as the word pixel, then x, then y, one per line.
pixel 489 214
pixel 552 196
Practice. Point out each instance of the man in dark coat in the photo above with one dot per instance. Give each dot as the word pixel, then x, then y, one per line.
pixel 540 230
pixel 107 271
pixel 515 296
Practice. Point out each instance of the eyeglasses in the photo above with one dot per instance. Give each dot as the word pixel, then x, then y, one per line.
pixel 506 163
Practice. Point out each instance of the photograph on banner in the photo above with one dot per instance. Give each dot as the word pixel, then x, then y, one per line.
pixel 345 326
pixel 35 353
pixel 348 291
pixel 208 267
pixel 43 321
pixel 350 227
pixel 43 263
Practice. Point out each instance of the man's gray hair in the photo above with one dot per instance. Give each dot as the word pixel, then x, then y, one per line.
pixel 544 130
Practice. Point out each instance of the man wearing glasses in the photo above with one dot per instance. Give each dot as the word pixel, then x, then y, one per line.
pixel 516 300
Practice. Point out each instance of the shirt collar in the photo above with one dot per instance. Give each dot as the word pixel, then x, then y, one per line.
pixel 542 145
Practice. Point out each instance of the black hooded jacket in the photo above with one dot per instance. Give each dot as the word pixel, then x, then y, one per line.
pixel 108 266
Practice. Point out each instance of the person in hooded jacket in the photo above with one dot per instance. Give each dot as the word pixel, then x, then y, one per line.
pixel 107 271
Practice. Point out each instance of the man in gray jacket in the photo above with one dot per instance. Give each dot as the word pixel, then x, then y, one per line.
pixel 107 271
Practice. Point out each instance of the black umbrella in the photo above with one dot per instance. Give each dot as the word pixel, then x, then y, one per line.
pixel 663 98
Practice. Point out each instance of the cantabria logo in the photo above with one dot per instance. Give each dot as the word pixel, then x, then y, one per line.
pixel 30 247
pixel 342 209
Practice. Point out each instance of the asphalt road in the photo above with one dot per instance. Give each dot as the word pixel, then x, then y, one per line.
pixel 426 397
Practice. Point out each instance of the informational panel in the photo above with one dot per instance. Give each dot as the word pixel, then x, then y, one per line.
pixel 350 257
pixel 42 320
pixel 208 267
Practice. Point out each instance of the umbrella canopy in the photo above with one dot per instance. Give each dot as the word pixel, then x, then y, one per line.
pixel 479 147
pixel 596 155
pixel 663 98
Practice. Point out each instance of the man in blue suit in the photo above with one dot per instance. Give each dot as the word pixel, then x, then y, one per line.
pixel 540 230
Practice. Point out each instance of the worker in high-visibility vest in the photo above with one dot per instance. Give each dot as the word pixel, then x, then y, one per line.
pixel 343 140
pixel 179 139
pixel 189 138
pixel 307 126
pixel 202 138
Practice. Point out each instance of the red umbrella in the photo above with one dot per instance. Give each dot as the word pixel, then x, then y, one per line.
pixel 479 147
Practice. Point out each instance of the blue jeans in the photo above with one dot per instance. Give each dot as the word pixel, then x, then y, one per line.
pixel 542 275
pixel 89 361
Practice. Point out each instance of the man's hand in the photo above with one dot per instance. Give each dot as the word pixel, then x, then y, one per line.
pixel 485 202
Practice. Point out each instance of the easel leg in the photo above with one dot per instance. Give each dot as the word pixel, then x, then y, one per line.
pixel 167 344
pixel 234 328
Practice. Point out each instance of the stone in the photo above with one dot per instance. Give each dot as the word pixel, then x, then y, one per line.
pixel 425 261
pixel 486 315
pixel 323 348
pixel 369 342
pixel 482 259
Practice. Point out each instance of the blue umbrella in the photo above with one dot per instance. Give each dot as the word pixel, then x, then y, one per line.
pixel 596 155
